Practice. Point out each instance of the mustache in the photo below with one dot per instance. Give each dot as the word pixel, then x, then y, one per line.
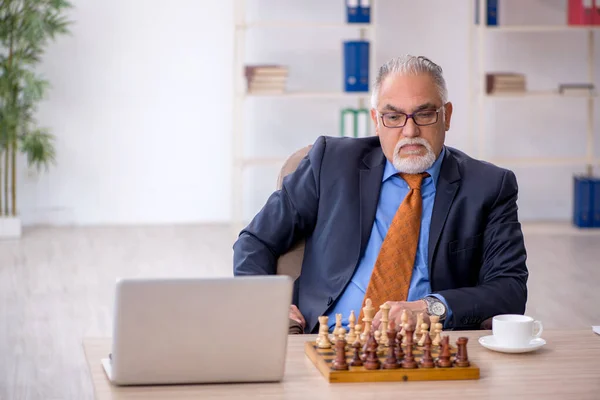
pixel 412 141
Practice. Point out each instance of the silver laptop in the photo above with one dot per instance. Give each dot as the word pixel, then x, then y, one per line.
pixel 199 330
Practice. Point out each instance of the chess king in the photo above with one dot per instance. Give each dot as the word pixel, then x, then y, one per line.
pixel 398 217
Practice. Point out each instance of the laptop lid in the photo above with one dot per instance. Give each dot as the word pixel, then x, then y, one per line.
pixel 200 330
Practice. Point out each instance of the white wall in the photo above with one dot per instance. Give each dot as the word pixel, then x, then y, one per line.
pixel 140 107
pixel 141 102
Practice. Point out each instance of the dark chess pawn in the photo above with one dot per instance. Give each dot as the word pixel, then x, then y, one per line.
pixel 356 360
pixel 391 362
pixel 462 359
pixel 427 359
pixel 372 361
pixel 339 363
pixel 444 358
pixel 399 351
pixel 409 359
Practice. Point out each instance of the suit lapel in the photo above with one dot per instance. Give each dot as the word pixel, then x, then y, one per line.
pixel 369 185
pixel 447 186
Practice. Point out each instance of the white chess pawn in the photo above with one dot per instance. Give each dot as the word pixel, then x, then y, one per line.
pixel 351 327
pixel 438 334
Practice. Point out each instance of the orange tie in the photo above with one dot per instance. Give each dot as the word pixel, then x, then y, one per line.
pixel 391 275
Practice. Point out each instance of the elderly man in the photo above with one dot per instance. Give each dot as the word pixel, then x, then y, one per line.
pixel 398 217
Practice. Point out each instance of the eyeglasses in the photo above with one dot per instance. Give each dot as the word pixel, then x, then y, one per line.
pixel 420 118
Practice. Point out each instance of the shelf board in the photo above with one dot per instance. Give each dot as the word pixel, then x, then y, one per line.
pixel 327 95
pixel 538 94
pixel 302 24
pixel 542 28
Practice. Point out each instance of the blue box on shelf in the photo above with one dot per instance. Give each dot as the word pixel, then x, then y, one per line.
pixel 586 201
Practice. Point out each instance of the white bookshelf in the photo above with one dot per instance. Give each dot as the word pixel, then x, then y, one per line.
pixel 480 99
pixel 242 26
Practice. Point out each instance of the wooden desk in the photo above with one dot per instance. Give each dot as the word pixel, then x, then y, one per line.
pixel 567 367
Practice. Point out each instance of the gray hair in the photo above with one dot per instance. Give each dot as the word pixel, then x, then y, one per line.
pixel 408 64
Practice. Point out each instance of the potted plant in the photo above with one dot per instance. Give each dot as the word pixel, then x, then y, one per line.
pixel 26 27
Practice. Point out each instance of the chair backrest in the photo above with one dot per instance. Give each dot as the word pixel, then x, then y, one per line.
pixel 290 263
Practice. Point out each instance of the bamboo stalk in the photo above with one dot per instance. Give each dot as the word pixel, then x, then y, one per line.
pixel 13 153
pixel 1 196
pixel 6 180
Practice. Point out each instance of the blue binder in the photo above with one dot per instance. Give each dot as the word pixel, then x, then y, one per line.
pixel 358 12
pixel 491 12
pixel 356 66
pixel 596 203
pixel 583 201
pixel 352 11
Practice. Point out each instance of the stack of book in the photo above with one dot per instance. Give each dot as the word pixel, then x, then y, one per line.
pixel 574 89
pixel 505 82
pixel 266 79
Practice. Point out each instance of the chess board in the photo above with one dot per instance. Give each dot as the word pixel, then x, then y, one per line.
pixel 323 359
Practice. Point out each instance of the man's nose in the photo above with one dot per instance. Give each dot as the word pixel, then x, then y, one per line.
pixel 410 129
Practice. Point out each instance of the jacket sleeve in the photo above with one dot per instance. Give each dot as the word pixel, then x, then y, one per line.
pixel 288 215
pixel 502 283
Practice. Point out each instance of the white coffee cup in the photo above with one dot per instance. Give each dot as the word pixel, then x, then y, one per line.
pixel 513 330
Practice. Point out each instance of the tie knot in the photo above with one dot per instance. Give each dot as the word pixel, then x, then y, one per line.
pixel 414 180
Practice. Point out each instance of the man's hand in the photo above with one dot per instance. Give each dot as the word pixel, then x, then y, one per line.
pixel 297 316
pixel 413 308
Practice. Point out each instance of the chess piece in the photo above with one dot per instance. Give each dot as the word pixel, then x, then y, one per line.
pixel 356 360
pixel 391 362
pixel 462 359
pixel 399 351
pixel 341 334
pixel 385 312
pixel 427 359
pixel 368 343
pixel 409 359
pixel 377 336
pixel 369 313
pixel 339 363
pixel 418 327
pixel 438 334
pixel 372 361
pixel 434 319
pixel 351 328
pixel 444 357
pixel 338 325
pixel 424 329
pixel 323 341
pixel 404 321
pixel 358 332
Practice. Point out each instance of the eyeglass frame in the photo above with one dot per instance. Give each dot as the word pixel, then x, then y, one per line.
pixel 411 116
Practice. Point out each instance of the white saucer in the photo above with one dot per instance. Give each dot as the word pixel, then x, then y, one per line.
pixel 489 342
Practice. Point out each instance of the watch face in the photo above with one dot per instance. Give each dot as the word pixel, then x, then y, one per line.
pixel 438 308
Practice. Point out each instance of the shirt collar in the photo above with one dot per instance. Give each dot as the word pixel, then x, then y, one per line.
pixel 434 170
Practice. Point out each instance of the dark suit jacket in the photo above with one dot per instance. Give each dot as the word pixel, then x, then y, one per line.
pixel 476 250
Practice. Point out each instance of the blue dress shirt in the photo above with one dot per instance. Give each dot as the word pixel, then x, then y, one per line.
pixel 393 191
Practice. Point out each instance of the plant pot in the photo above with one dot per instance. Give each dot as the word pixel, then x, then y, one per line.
pixel 10 228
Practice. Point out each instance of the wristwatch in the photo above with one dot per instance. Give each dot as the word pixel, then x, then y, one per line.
pixel 435 307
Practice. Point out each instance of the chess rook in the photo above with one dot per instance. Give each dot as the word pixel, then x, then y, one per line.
pixel 462 359
pixel 323 339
